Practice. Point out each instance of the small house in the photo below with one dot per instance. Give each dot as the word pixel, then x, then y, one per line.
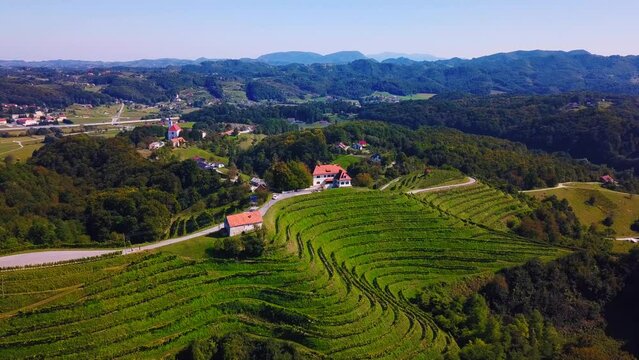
pixel 376 158
pixel 178 141
pixel 3 121
pixel 357 147
pixel 156 145
pixel 244 222
pixel 607 179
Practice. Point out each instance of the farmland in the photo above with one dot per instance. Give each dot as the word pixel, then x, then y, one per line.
pixel 479 203
pixel 622 207
pixel 335 281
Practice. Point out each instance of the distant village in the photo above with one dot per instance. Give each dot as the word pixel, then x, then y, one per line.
pixel 23 115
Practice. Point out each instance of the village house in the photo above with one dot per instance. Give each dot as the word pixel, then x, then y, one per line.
pixel 331 176
pixel 343 146
pixel 244 222
pixel 357 147
pixel 257 184
pixel 3 121
pixel 207 165
pixel 376 158
pixel 607 179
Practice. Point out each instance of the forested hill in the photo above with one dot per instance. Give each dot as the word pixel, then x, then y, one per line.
pixel 604 130
pixel 523 72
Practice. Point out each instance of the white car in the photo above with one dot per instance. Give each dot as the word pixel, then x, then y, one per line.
pixel 275 196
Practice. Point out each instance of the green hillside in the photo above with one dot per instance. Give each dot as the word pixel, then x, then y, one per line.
pixel 335 282
pixel 479 203
pixel 622 207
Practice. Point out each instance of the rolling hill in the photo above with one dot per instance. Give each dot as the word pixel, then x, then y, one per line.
pixel 336 282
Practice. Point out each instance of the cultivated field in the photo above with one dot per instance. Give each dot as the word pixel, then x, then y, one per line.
pixel 479 203
pixel 340 269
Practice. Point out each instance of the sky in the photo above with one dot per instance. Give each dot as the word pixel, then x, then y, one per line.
pixel 188 29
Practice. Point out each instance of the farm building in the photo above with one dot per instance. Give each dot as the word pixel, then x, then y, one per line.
pixel 3 121
pixel 330 176
pixel 607 179
pixel 244 222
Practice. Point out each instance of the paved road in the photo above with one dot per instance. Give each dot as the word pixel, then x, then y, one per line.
pixel 469 182
pixel 62 126
pixel 48 257
pixel 389 183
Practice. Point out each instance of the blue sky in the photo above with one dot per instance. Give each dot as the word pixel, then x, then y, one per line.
pixel 134 29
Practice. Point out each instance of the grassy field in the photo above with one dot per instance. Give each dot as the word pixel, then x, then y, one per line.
pixel 418 180
pixel 335 281
pixel 104 113
pixel 9 146
pixel 246 141
pixel 624 208
pixel 185 153
pixel 478 203
pixel 418 96
pixel 347 160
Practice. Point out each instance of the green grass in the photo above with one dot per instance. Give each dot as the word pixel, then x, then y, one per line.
pixel 185 153
pixel 246 141
pixel 335 281
pixel 346 160
pixel 478 203
pixel 624 208
pixel 418 180
pixel 418 96
pixel 197 248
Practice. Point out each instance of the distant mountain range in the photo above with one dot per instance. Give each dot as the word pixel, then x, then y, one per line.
pixel 414 57
pixel 276 58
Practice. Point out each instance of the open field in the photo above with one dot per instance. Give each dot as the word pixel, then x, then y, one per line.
pixel 624 208
pixel 82 115
pixel 346 160
pixel 418 180
pixel 335 281
pixel 478 203
pixel 246 141
pixel 185 153
pixel 418 96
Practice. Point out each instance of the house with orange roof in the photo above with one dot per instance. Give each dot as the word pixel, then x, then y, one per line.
pixel 243 222
pixel 331 176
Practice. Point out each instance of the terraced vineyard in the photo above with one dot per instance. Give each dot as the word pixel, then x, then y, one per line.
pixel 335 282
pixel 418 180
pixel 479 203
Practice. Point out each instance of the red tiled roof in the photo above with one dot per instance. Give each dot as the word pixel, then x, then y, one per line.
pixel 344 176
pixel 327 169
pixel 607 178
pixel 246 218
pixel 363 142
pixel 175 127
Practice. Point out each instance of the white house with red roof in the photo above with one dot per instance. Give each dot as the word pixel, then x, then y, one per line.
pixel 331 176
pixel 244 222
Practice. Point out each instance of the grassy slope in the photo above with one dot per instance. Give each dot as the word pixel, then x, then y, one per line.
pixel 623 207
pixel 418 180
pixel 335 282
pixel 347 160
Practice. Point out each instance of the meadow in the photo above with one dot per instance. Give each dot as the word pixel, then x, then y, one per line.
pixel 622 207
pixel 337 280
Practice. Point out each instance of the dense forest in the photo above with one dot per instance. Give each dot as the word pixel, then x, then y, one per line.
pixel 85 191
pixel 601 129
pixel 503 163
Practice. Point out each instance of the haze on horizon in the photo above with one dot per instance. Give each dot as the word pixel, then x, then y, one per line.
pixel 127 30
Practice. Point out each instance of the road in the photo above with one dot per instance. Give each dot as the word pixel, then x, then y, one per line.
pixel 54 256
pixel 63 126
pixel 48 257
pixel 469 182
pixel 117 116
pixel 559 186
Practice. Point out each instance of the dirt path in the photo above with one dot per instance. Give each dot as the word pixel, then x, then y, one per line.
pixel 62 292
pixel 470 182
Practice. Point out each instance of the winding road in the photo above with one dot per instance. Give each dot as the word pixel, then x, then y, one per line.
pixel 54 256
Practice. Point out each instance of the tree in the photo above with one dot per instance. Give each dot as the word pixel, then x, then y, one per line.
pixel 363 179
pixel 291 175
pixel 9 160
pixel 608 221
pixel 635 226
